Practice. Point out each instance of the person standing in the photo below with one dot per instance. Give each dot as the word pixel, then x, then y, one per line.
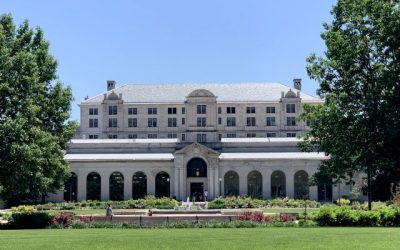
pixel 109 212
pixel 205 195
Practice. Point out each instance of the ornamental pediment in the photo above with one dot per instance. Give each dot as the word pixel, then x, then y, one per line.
pixel 197 149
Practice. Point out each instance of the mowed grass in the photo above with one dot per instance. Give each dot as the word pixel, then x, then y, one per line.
pixel 228 238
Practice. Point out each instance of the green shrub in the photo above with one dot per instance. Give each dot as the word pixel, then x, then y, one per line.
pixel 25 220
pixel 217 203
pixel 369 218
pixel 23 208
pixel 343 202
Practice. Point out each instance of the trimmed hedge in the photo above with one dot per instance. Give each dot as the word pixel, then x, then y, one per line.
pixel 146 203
pixel 345 216
pixel 247 202
pixel 30 220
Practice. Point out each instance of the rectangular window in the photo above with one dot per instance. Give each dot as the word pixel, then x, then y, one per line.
pixel 93 123
pixel 112 136
pixel 171 136
pixel 251 121
pixel 132 111
pixel 171 122
pixel 250 135
pixel 201 122
pixel 201 138
pixel 112 110
pixel 290 108
pixel 271 110
pixel 152 136
pixel 232 135
pixel 250 110
pixel 219 120
pixel 183 110
pixel 93 136
pixel 93 111
pixel 132 136
pixel 112 122
pixel 183 137
pixel 219 110
pixel 271 121
pixel 183 121
pixel 290 134
pixel 132 122
pixel 152 122
pixel 291 121
pixel 152 111
pixel 201 109
pixel 171 111
pixel 219 137
pixel 231 121
pixel 231 110
pixel 271 134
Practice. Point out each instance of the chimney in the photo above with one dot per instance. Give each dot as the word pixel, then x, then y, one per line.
pixel 110 85
pixel 297 83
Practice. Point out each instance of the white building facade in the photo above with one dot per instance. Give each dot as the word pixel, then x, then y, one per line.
pixel 193 140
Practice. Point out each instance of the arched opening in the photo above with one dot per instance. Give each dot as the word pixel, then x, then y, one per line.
pixel 196 167
pixel 93 186
pixel 231 184
pixel 301 189
pixel 254 184
pixel 139 185
pixel 324 189
pixel 71 188
pixel 278 184
pixel 162 185
pixel 116 186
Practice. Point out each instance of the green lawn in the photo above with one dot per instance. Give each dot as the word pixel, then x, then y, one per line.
pixel 247 238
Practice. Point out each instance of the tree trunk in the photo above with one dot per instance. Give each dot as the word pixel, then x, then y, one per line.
pixel 369 193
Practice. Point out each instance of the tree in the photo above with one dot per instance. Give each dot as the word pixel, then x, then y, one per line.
pixel 359 76
pixel 34 109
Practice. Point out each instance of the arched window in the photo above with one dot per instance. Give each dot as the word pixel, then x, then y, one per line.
pixel 301 189
pixel 139 185
pixel 71 188
pixel 116 186
pixel 278 184
pixel 93 186
pixel 162 185
pixel 254 184
pixel 196 167
pixel 231 184
pixel 324 189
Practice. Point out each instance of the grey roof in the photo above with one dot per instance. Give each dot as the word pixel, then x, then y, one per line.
pixel 225 92
pixel 263 139
pixel 274 156
pixel 119 141
pixel 169 156
pixel 118 157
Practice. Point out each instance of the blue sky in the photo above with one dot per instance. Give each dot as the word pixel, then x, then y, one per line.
pixel 177 41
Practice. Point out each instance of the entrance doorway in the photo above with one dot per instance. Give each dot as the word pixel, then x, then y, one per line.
pixel 197 191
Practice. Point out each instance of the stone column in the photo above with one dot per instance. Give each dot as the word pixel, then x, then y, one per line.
pixel 105 186
pixel 176 183
pixel 289 183
pixel 242 182
pixel 82 177
pixel 127 185
pixel 313 193
pixel 151 183
pixel 210 179
pixel 267 184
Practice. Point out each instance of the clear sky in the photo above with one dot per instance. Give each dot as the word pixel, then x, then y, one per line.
pixel 176 41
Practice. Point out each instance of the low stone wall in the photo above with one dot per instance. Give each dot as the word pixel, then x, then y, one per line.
pixel 165 219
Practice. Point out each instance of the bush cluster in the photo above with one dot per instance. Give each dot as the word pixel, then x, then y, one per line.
pixel 247 202
pixel 146 203
pixel 346 216
pixel 30 220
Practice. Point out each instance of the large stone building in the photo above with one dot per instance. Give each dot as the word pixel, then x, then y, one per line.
pixel 181 140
